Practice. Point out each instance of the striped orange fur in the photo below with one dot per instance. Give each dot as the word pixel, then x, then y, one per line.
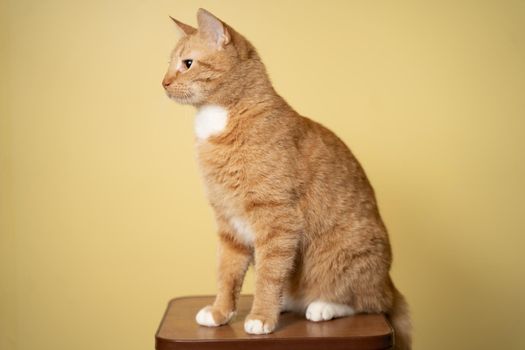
pixel 288 194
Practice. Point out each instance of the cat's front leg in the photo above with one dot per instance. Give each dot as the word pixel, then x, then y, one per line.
pixel 234 259
pixel 275 249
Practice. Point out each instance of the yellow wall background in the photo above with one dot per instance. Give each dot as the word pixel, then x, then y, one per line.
pixel 102 213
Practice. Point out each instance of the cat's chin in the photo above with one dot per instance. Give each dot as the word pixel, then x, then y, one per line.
pixel 184 100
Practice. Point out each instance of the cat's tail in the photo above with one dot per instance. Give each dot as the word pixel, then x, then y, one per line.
pixel 399 317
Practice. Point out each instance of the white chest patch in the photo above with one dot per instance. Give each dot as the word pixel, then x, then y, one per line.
pixel 243 232
pixel 210 120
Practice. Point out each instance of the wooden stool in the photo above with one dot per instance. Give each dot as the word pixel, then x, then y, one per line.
pixel 179 331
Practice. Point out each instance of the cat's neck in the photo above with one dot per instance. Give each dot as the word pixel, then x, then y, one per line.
pixel 225 111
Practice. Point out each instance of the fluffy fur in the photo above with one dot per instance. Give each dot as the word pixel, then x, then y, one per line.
pixel 288 194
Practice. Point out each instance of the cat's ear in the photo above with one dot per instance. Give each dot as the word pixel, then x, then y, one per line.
pixel 212 29
pixel 184 28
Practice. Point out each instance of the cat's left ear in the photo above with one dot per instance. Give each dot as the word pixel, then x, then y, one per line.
pixel 212 29
pixel 184 28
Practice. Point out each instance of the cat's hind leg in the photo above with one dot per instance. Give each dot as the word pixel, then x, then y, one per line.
pixel 323 311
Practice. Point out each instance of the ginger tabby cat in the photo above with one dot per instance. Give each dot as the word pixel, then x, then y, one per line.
pixel 287 193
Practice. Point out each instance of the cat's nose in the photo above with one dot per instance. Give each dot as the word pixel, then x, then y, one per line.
pixel 167 81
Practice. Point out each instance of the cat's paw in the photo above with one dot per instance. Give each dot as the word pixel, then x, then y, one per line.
pixel 259 325
pixel 210 317
pixel 324 311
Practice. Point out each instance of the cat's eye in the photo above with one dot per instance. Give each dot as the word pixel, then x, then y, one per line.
pixel 187 63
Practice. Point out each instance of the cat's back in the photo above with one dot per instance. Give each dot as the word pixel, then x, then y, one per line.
pixel 322 148
pixel 303 155
pixel 333 183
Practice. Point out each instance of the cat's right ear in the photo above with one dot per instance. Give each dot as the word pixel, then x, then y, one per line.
pixel 212 29
pixel 184 28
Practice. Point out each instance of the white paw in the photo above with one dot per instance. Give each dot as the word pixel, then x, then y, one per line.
pixel 205 318
pixel 324 311
pixel 256 327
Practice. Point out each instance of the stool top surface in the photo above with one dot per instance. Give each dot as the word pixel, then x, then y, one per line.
pixel 179 330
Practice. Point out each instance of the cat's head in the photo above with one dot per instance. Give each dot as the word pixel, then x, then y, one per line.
pixel 203 60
